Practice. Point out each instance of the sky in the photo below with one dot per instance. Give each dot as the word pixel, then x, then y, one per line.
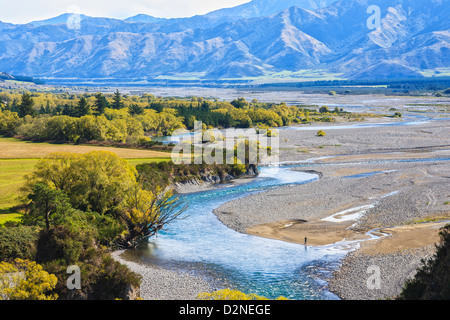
pixel 24 11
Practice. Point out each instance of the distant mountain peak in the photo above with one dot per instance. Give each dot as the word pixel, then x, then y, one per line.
pixel 258 38
pixel 145 18
pixel 262 8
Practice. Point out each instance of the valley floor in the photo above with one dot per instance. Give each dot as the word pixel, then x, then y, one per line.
pixel 394 179
pixel 382 190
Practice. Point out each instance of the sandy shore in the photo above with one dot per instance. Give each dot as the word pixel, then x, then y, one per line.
pixel 368 181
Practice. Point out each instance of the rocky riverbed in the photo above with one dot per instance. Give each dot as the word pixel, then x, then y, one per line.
pixel 369 178
pixel 163 284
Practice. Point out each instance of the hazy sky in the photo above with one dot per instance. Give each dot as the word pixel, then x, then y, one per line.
pixel 24 11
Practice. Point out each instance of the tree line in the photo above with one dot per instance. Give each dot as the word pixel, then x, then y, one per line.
pixel 132 120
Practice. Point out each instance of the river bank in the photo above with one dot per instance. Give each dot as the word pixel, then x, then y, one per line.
pixel 370 178
pixel 163 284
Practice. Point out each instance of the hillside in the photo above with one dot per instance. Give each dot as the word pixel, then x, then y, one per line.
pixel 256 39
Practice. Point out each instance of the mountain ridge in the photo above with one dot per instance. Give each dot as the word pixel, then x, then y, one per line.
pixel 414 36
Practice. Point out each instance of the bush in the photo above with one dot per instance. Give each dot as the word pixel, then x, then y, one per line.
pixel 432 281
pixel 26 280
pixel 9 121
pixel 324 109
pixel 321 133
pixel 227 294
pixel 101 276
pixel 18 242
pixel 62 244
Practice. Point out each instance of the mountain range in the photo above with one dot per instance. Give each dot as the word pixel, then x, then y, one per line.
pixel 259 39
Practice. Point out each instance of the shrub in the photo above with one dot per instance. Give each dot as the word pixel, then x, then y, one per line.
pixel 324 109
pixel 432 281
pixel 62 244
pixel 26 280
pixel 101 276
pixel 18 242
pixel 321 133
pixel 227 294
pixel 9 121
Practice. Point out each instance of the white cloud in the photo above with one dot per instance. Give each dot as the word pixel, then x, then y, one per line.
pixel 23 11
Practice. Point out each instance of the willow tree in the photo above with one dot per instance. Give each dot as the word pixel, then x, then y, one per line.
pixel 103 183
pixel 96 181
pixel 146 212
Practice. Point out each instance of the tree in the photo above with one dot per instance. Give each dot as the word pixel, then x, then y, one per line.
pixel 83 108
pixel 117 101
pixel 9 122
pixel 26 280
pixel 96 181
pixel 45 203
pixel 432 281
pixel 324 109
pixel 240 103
pixel 100 104
pixel 26 106
pixel 147 212
pixel 135 109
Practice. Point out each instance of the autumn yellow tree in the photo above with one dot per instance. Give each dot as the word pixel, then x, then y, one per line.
pixel 228 294
pixel 26 280
pixel 146 212
pixel 95 181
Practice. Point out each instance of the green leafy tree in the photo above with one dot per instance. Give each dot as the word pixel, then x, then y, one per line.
pixel 117 101
pixel 432 280
pixel 324 109
pixel 26 106
pixel 100 104
pixel 45 203
pixel 135 109
pixel 83 108
pixel 96 181
pixel 240 103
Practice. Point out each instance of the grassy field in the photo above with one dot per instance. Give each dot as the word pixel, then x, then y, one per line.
pixel 18 158
pixel 11 148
